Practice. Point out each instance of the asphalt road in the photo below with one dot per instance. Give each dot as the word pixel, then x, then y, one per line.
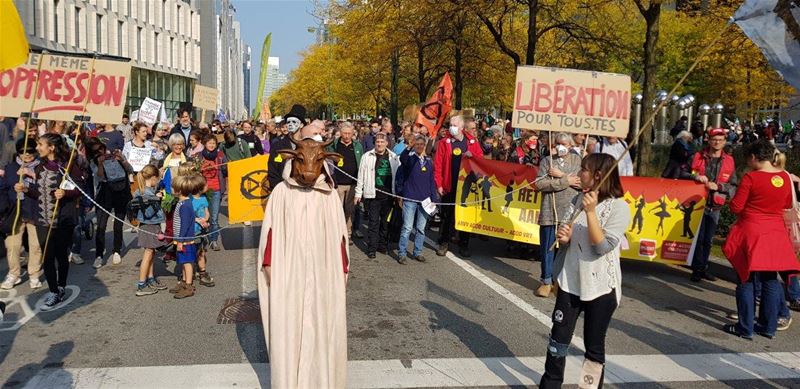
pixel 470 309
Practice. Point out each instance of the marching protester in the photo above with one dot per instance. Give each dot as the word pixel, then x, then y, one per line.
pixel 415 183
pixel 369 137
pixel 46 190
pixel 234 148
pixel 183 227
pixel 112 191
pixel 176 157
pixel 758 245
pixel 715 169
pixel 250 137
pixel 558 182
pixel 125 127
pixel 616 147
pixel 184 126
pixel 24 164
pixel 195 143
pixel 294 121
pixel 264 134
pixel 159 143
pixel 213 169
pixel 347 170
pixel 150 216
pixel 138 140
pixel 112 138
pixel 201 217
pixel 376 184
pixel 588 273
pixel 447 164
pixel 680 155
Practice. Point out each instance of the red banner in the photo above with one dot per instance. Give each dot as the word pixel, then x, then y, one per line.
pixel 434 112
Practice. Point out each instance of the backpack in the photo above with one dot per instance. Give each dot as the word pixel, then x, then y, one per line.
pixel 116 176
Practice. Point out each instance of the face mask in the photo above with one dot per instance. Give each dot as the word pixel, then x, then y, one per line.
pixel 561 150
pixel 453 130
pixel 293 124
pixel 317 137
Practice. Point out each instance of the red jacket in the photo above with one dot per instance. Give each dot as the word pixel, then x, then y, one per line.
pixel 444 157
pixel 726 170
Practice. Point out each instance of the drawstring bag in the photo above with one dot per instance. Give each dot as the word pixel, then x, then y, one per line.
pixel 791 218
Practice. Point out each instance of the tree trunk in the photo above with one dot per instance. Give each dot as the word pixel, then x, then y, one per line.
pixel 421 73
pixel 652 17
pixel 530 53
pixel 459 88
pixel 395 87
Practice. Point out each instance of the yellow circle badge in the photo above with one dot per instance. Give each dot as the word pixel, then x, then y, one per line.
pixel 456 152
pixel 777 181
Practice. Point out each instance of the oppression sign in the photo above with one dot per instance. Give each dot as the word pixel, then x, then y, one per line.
pixel 65 84
pixel 574 101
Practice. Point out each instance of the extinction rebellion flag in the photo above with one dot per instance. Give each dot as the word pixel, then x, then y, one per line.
pixel 774 26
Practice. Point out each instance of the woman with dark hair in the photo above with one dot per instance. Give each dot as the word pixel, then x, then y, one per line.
pixel 589 278
pixel 233 147
pixel 758 245
pixel 47 189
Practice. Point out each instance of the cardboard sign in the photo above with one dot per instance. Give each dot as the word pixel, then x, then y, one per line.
pixel 205 97
pixel 573 101
pixel 134 116
pixel 149 111
pixel 66 83
pixel 497 199
pixel 139 157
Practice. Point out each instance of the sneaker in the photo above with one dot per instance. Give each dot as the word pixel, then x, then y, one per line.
pixel 371 255
pixel 733 316
pixel 206 280
pixel 184 292
pixel 156 284
pixel 10 282
pixel 76 259
pixel 696 276
pixel 180 285
pixel 214 246
pixel 731 329
pixel 246 224
pixel 419 258
pixel 442 250
pixel 51 301
pixel 794 305
pixel 116 258
pixel 145 290
pixel 784 323
pixel 98 263
pixel 544 290
pixel 709 277
pixel 402 260
pixel 35 283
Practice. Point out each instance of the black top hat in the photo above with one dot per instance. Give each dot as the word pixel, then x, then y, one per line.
pixel 297 111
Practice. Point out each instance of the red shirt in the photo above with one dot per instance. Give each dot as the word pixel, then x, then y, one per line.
pixel 762 194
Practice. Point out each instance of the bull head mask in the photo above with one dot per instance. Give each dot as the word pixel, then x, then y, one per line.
pixel 308 160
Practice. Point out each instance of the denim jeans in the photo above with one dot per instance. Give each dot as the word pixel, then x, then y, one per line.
pixel 213 211
pixel 705 238
pixel 768 309
pixel 784 292
pixel 792 287
pixel 547 236
pixel 77 233
pixel 413 216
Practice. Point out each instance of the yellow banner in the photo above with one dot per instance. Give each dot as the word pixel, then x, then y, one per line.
pixel 247 197
pixel 499 201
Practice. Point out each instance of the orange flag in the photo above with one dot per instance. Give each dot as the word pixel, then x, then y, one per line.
pixel 434 112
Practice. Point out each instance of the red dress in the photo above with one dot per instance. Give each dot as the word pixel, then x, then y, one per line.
pixel 759 241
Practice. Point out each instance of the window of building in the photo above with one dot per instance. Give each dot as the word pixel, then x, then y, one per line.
pixel 130 8
pixel 172 52
pixel 179 20
pixel 120 30
pixel 108 5
pixel 157 47
pixel 164 13
pixel 55 21
pixel 147 11
pixel 139 43
pixel 99 33
pixel 77 26
pixel 186 62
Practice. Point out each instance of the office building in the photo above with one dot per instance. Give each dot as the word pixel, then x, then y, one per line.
pixel 161 37
pixel 246 71
pixel 275 79
pixel 222 56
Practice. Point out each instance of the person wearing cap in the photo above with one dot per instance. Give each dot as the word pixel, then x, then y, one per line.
pixel 450 150
pixel 295 120
pixel 715 169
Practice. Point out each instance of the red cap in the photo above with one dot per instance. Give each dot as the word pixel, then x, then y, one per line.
pixel 717 131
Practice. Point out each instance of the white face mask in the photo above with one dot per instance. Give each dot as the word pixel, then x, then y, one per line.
pixel 293 124
pixel 454 130
pixel 561 150
pixel 317 137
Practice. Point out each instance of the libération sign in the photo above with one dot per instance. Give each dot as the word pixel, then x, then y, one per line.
pixel 66 83
pixel 569 100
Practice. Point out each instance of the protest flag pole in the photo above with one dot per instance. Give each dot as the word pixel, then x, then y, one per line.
pixel 202 115
pixel 28 114
pixel 77 133
pixel 555 209
pixel 649 122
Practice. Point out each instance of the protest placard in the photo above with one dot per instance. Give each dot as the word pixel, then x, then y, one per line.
pixel 246 191
pixel 205 97
pixel 66 83
pixel 149 111
pixel 574 101
pixel 497 199
pixel 139 157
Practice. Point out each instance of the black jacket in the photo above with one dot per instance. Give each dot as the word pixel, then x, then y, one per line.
pixel 256 149
pixel 276 161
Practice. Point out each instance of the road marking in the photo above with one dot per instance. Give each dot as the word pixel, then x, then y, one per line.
pixel 249 284
pixel 540 316
pixel 449 372
pixel 29 312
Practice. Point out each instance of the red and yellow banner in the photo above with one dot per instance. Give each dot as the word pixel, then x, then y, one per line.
pixel 499 201
pixel 433 113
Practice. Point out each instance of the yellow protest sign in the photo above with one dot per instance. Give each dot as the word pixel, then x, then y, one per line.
pixel 205 97
pixel 247 194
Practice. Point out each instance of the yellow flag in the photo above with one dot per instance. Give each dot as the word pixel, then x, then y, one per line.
pixel 15 43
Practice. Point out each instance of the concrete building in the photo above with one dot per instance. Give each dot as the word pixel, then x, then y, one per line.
pixel 246 66
pixel 222 57
pixel 275 79
pixel 161 37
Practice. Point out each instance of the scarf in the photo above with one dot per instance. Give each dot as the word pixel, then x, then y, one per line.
pixel 210 155
pixel 27 180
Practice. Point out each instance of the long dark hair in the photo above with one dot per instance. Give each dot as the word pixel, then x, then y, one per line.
pixel 60 146
pixel 598 165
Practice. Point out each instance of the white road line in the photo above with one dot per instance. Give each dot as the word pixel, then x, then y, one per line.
pixel 540 316
pixel 446 373
pixel 249 283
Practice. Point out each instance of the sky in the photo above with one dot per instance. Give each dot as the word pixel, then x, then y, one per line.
pixel 288 20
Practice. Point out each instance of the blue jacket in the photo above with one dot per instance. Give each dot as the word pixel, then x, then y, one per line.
pixel 8 197
pixel 414 178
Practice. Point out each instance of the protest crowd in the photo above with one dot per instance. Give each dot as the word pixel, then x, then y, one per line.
pixel 169 180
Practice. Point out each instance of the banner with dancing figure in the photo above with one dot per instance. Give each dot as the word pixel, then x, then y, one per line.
pixel 498 199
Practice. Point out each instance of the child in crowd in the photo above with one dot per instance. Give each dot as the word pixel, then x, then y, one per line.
pixel 150 216
pixel 200 207
pixel 183 227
